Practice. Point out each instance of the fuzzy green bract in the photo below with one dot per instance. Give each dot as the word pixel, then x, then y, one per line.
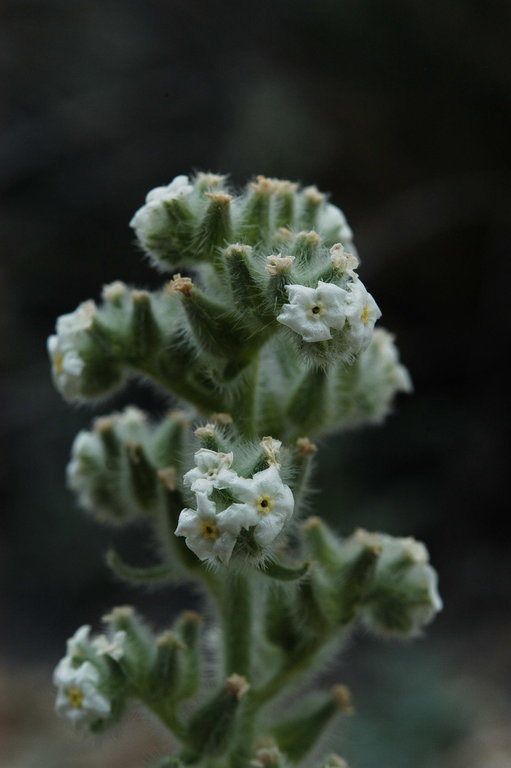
pixel 264 341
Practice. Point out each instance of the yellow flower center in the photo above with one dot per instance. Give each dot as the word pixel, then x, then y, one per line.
pixel 57 362
pixel 209 529
pixel 365 315
pixel 264 505
pixel 75 697
pixel 316 309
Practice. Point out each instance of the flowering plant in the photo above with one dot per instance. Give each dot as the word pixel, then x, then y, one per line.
pixel 268 345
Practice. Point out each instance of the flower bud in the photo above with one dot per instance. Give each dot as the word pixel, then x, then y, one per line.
pixel 298 735
pixel 402 596
pixel 364 391
pixel 165 224
pixel 142 475
pixel 306 246
pixel 139 644
pixel 213 724
pixel 188 628
pixel 244 283
pixel 255 212
pixel 214 230
pixel 311 201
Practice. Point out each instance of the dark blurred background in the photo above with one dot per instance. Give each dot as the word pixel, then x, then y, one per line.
pixel 402 111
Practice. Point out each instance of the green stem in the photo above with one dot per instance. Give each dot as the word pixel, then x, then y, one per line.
pixel 243 408
pixel 291 668
pixel 169 718
pixel 237 624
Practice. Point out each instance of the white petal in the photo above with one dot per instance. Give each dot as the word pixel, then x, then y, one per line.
pixel 224 546
pixel 188 523
pixel 236 517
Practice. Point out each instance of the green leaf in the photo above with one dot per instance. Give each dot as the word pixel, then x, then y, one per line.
pixel 138 575
pixel 281 572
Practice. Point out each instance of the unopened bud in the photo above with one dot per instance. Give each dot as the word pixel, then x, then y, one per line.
pixel 167 477
pixel 114 292
pixel 222 419
pixel 119 614
pixel 263 185
pixel 237 685
pixel 313 195
pixel 335 761
pixel 204 432
pixel 343 261
pixel 278 264
pixel 179 284
pixel 342 696
pixel 267 756
pixel 305 447
pixel 271 448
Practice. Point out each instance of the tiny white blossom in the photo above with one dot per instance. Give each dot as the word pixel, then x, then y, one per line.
pixel 78 697
pixel 78 641
pixel 399 376
pixel 86 447
pixel 112 292
pixel 423 576
pixel 131 423
pixel 152 217
pixel 212 471
pixel 67 365
pixel 267 504
pixel 332 218
pixel 209 535
pixel 114 647
pixel 362 312
pixel 179 187
pixel 312 312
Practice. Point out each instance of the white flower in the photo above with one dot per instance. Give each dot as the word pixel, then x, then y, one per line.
pixel 332 218
pixel 131 423
pixel 152 217
pixel 80 639
pixel 267 504
pixel 149 220
pixel 78 697
pixel 86 448
pixel 312 312
pixel 212 471
pixel 423 577
pixel 209 535
pixel 179 187
pixel 362 312
pixel 114 647
pixel 388 357
pixel 67 365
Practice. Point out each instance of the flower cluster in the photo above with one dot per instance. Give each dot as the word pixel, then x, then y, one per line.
pixel 152 217
pixel 273 285
pixel 261 503
pixel 82 677
pixel 100 459
pixel 403 596
pixel 315 312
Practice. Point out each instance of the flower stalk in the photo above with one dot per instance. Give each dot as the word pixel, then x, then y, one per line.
pixel 269 343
